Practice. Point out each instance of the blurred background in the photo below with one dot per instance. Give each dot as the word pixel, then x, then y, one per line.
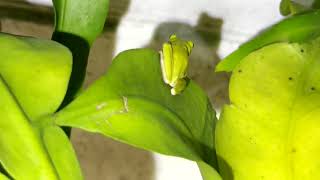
pixel 217 27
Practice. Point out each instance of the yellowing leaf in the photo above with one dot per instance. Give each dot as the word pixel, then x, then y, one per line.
pixel 271 129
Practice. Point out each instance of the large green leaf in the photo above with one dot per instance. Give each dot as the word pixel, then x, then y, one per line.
pixel 77 24
pixel 61 153
pixel 271 129
pixel 21 151
pixel 132 104
pixel 83 18
pixel 35 76
pixel 297 28
pixel 37 72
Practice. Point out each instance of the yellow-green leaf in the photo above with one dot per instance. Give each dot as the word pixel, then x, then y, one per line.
pixel 271 129
pixel 37 72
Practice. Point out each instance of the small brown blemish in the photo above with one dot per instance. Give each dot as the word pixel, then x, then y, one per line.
pixel 293 150
pixel 302 50
pixel 239 71
pixel 290 78
pixel 313 88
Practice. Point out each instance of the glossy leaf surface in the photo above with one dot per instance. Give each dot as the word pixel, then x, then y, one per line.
pixel 131 103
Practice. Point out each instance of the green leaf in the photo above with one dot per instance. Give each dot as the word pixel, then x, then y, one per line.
pixel 77 24
pixel 291 7
pixel 83 18
pixel 207 172
pixel 285 7
pixel 297 28
pixel 21 151
pixel 37 72
pixel 3 177
pixel 271 129
pixel 35 78
pixel 132 104
pixel 61 153
pixel 316 4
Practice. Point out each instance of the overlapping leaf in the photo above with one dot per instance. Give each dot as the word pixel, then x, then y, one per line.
pixel 21 152
pixel 132 104
pixel 34 78
pixel 77 25
pixel 297 28
pixel 37 72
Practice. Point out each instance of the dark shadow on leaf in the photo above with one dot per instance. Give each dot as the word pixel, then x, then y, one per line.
pixel 4 172
pixel 79 48
pixel 80 51
pixel 210 157
pixel 100 157
pixel 316 4
pixel 226 171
